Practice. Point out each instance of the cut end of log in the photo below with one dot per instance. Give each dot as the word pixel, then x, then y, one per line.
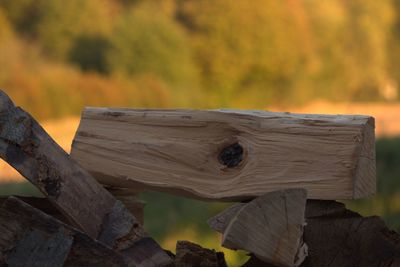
pixel 365 177
pixel 270 227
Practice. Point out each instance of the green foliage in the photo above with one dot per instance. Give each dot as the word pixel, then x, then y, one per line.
pixel 252 57
pixel 142 43
pixel 6 31
pixel 209 53
pixel 89 52
pixel 388 166
pixel 25 15
pixel 56 24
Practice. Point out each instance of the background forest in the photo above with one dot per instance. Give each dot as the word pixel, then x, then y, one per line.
pixel 58 56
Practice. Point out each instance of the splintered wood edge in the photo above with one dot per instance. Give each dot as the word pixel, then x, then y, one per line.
pixel 365 172
pixel 224 221
pixel 363 182
pixel 221 221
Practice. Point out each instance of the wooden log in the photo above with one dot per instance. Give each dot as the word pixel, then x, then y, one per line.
pixel 131 201
pixel 338 237
pixel 190 254
pixel 26 146
pixel 270 227
pixel 30 237
pixel 134 205
pixel 42 204
pixel 228 154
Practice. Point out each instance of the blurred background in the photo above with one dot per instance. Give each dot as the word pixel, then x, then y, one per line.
pixel 300 56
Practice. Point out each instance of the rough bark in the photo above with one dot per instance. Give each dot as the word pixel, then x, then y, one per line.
pixel 26 146
pixel 190 255
pixel 30 237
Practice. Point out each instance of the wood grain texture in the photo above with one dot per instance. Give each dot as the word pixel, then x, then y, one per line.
pixel 228 154
pixel 270 227
pixel 29 237
pixel 26 146
pixel 134 205
pixel 338 237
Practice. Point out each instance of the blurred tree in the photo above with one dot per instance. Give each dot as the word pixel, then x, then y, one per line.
pixel 246 48
pixel 352 38
pixel 56 24
pixel 144 44
pixel 25 15
pixel 6 31
pixel 89 52
pixel 393 48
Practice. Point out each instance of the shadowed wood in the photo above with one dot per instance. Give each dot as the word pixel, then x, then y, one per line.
pixel 338 237
pixel 134 205
pixel 30 237
pixel 26 146
pixel 270 227
pixel 190 254
pixel 228 154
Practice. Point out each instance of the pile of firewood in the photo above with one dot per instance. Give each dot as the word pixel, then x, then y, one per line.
pixel 284 170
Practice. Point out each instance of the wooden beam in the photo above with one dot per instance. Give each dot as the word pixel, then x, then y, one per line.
pixel 270 227
pixel 26 146
pixel 228 154
pixel 30 237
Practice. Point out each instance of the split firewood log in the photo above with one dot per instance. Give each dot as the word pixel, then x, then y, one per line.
pixel 26 146
pixel 30 237
pixel 270 227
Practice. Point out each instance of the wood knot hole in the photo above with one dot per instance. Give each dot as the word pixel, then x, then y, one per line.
pixel 231 155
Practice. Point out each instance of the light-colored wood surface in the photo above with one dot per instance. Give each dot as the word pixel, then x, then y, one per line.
pixel 179 151
pixel 270 227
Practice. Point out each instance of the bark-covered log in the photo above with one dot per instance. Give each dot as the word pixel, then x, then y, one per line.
pixel 134 205
pixel 42 204
pixel 26 146
pixel 30 237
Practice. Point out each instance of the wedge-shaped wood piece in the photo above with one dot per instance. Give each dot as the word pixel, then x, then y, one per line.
pixel 270 227
pixel 228 154
pixel 336 237
pixel 29 237
pixel 26 146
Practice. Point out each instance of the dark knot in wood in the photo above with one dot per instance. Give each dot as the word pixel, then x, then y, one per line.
pixel 231 155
